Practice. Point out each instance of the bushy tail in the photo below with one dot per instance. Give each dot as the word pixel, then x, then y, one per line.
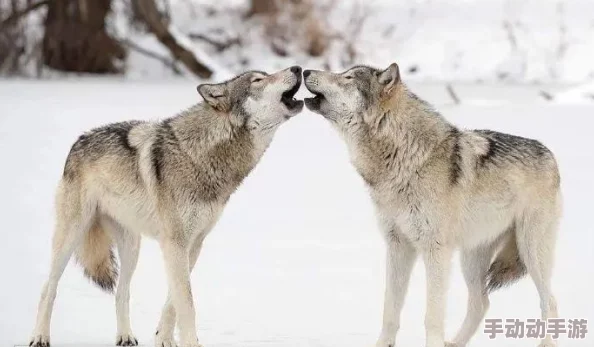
pixel 508 267
pixel 97 258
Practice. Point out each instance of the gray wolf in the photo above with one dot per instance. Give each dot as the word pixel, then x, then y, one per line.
pixel 437 188
pixel 168 180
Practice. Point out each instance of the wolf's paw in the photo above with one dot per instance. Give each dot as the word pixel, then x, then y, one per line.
pixel 196 344
pixel 126 340
pixel 385 343
pixel 452 344
pixel 164 341
pixel 39 341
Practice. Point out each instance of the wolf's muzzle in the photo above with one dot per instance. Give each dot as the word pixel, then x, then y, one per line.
pixel 296 70
pixel 288 97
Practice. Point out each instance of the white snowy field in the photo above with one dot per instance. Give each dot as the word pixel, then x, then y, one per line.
pixel 296 259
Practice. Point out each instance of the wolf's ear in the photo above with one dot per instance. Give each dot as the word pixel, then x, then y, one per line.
pixel 216 95
pixel 390 77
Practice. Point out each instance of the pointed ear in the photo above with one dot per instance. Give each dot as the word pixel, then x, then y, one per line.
pixel 390 77
pixel 215 95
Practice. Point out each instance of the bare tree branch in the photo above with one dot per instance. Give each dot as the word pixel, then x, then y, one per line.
pixel 167 62
pixel 219 45
pixel 13 18
pixel 453 94
pixel 511 35
pixel 150 14
pixel 546 95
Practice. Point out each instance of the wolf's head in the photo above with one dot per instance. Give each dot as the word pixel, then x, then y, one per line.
pixel 256 99
pixel 350 97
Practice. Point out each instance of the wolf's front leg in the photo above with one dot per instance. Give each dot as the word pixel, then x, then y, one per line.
pixel 177 266
pixel 437 260
pixel 400 258
pixel 164 335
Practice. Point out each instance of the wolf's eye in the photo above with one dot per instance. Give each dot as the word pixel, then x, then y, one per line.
pixel 349 77
pixel 257 79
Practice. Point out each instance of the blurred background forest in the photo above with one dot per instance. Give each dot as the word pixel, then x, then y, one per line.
pixel 544 41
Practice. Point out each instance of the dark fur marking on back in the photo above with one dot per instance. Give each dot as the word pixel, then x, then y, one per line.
pixel 121 131
pixel 168 130
pixel 488 156
pixel 506 147
pixel 157 157
pixel 165 136
pixel 455 158
pixel 111 138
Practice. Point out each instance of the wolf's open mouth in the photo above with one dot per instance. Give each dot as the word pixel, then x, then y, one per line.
pixel 288 99
pixel 314 103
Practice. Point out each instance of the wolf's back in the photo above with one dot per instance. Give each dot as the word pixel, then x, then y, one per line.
pixel 112 139
pixel 505 148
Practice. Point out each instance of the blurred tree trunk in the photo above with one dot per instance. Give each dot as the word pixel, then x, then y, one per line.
pixel 136 17
pixel 149 12
pixel 259 7
pixel 76 40
pixel 290 22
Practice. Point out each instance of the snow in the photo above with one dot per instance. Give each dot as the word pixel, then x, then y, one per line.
pixel 529 41
pixel 296 259
pixel 220 73
pixel 532 41
pixel 580 94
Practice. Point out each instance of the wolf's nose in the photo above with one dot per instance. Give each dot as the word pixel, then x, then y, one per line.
pixel 296 70
pixel 306 73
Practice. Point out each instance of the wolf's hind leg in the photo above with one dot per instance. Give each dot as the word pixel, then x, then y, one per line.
pixel 475 264
pixel 536 236
pixel 128 244
pixel 73 219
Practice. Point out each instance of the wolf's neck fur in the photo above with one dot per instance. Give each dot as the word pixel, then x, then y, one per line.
pixel 399 138
pixel 224 150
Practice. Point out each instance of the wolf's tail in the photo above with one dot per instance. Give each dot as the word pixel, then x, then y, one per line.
pixel 97 258
pixel 508 267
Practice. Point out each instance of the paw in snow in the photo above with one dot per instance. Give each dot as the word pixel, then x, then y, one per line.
pixel 40 341
pixel 384 343
pixel 164 341
pixel 126 340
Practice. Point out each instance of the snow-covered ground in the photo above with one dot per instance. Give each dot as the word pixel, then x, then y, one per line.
pixel 296 259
